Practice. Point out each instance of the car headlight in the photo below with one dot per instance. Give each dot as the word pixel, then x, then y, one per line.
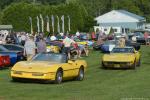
pixel 17 72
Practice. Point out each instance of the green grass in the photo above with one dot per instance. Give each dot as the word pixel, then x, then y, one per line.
pixel 99 84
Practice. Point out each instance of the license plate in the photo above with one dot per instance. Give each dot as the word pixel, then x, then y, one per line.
pixel 117 65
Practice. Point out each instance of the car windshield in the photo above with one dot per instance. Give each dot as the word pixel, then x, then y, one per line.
pixel 123 50
pixel 139 34
pixel 3 49
pixel 57 58
pixel 13 47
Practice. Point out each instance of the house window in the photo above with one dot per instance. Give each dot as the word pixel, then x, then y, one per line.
pixel 122 30
pixel 126 30
pixel 105 29
pixel 115 30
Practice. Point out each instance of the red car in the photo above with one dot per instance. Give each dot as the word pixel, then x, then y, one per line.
pixel 4 60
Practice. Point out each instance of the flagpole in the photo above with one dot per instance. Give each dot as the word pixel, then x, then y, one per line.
pixel 62 18
pixel 52 18
pixel 48 29
pixel 31 25
pixel 38 24
pixel 58 26
pixel 69 23
pixel 42 22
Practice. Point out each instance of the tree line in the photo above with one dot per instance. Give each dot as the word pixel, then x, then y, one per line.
pixel 82 12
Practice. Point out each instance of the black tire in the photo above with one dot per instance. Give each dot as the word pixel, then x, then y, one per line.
pixel 15 79
pixel 103 66
pixel 80 76
pixel 139 62
pixel 59 77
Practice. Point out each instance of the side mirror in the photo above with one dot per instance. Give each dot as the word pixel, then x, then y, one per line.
pixel 135 51
pixel 70 62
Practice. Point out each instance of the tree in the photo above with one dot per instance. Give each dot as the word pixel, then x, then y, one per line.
pixel 18 14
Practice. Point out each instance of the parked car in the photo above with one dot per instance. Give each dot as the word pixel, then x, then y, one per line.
pixel 50 67
pixel 136 46
pixel 4 61
pixel 126 57
pixel 15 52
pixel 140 37
pixel 107 46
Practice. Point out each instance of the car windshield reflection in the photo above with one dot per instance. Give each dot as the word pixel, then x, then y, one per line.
pixel 51 57
pixel 123 50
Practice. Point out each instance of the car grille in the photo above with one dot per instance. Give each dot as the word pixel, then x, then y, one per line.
pixel 116 63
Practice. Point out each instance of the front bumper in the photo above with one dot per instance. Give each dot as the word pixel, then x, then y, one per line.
pixel 117 64
pixel 33 75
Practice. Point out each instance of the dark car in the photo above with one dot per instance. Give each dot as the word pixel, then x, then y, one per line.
pixel 15 52
pixel 136 46
pixel 140 37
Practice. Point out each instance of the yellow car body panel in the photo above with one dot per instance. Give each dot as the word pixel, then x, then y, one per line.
pixel 54 49
pixel 46 70
pixel 82 43
pixel 120 60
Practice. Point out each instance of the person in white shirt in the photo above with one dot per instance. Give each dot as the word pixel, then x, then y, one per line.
pixel 30 48
pixel 67 44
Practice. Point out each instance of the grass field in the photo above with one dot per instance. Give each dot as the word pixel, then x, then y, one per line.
pixel 99 84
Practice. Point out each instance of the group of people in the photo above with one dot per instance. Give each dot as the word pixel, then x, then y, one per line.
pixel 70 47
pixel 37 44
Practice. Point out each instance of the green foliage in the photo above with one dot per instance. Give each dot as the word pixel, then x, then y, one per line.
pixel 98 7
pixel 18 15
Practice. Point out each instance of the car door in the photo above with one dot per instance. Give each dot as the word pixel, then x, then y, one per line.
pixel 70 69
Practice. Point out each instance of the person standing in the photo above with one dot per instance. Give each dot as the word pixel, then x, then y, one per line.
pixel 23 39
pixel 41 46
pixel 67 44
pixel 122 42
pixel 30 48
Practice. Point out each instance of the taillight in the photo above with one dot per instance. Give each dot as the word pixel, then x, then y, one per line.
pixel 6 60
pixel 1 61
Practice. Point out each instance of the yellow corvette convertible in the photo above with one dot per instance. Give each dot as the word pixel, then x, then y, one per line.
pixel 125 57
pixel 49 67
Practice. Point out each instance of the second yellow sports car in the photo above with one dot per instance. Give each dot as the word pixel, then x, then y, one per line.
pixel 125 57
pixel 52 48
pixel 49 67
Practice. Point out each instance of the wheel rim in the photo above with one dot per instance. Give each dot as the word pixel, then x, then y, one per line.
pixel 81 75
pixel 59 77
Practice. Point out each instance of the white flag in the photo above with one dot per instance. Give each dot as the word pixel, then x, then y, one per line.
pixel 58 26
pixel 30 19
pixel 47 29
pixel 63 29
pixel 69 23
pixel 42 22
pixel 38 24
pixel 52 18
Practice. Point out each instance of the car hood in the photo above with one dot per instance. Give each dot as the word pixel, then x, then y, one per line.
pixel 119 57
pixel 35 66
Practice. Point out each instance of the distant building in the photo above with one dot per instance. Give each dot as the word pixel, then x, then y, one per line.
pixel 7 28
pixel 147 26
pixel 120 21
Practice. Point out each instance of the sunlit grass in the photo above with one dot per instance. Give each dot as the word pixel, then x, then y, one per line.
pixel 99 84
